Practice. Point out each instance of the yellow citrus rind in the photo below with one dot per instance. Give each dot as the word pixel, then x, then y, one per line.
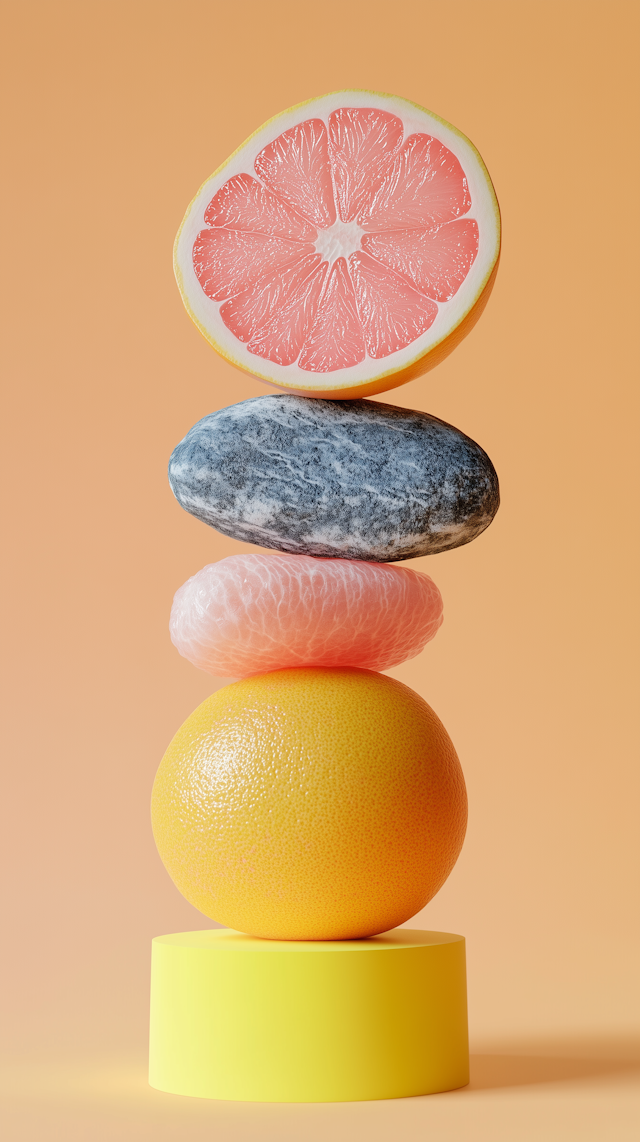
pixel 310 804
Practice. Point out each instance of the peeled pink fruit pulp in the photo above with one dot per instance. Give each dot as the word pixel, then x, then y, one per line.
pixel 250 614
pixel 305 274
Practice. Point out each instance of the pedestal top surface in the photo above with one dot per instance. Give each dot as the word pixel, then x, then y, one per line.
pixel 226 939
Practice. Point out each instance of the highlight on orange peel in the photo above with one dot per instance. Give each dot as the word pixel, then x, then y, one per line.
pixel 345 248
pixel 310 804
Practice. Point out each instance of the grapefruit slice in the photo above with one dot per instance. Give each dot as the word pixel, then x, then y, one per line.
pixel 345 248
pixel 250 614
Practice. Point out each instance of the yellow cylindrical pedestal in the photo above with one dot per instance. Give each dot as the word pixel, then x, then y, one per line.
pixel 233 1017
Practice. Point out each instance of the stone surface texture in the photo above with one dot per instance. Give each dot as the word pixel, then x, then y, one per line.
pixel 353 479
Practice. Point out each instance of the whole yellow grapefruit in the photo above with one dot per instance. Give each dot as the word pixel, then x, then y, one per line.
pixel 310 804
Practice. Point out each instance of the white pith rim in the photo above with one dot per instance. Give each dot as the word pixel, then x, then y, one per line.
pixel 484 209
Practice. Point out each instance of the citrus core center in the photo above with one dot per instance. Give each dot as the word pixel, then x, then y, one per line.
pixel 339 240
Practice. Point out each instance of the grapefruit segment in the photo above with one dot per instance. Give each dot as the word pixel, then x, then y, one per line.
pixel 336 340
pixel 228 261
pixel 244 204
pixel 425 184
pixel 362 140
pixel 249 614
pixel 274 315
pixel 296 167
pixel 435 261
pixel 392 313
pixel 398 208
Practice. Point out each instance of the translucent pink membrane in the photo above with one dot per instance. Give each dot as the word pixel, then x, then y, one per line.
pixel 336 339
pixel 275 314
pixel 410 246
pixel 228 262
pixel 392 312
pixel 296 167
pixel 435 261
pixel 423 184
pixel 249 614
pixel 361 143
pixel 244 204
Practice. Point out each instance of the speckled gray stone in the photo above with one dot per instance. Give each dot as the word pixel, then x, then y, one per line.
pixel 352 479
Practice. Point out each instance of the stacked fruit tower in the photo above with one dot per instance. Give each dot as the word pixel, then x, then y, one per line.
pixel 316 804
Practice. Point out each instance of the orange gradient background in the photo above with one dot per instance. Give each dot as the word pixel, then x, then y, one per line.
pixel 116 114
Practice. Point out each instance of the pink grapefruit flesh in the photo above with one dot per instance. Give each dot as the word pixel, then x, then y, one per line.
pixel 346 247
pixel 250 614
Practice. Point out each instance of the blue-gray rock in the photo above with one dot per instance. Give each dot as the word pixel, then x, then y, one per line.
pixel 353 479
